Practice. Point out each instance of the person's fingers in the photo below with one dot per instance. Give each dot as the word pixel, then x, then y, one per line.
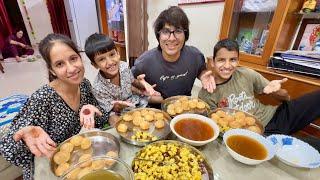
pixel 34 149
pixel 18 135
pixel 210 88
pixel 81 120
pixel 91 123
pixel 51 142
pixel 42 148
pixel 153 86
pixel 284 80
pixel 96 110
pixel 141 77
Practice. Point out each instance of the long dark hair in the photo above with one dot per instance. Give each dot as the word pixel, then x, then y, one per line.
pixel 46 45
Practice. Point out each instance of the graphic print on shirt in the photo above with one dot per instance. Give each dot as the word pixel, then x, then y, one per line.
pixel 173 77
pixel 242 102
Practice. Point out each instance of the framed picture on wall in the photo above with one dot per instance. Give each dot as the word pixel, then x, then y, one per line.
pixel 308 37
pixel 180 2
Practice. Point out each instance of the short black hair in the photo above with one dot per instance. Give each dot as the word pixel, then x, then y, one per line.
pixel 98 44
pixel 229 44
pixel 46 45
pixel 173 16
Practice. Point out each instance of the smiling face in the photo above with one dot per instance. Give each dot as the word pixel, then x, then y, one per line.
pixel 66 64
pixel 171 45
pixel 224 64
pixel 108 63
pixel 19 34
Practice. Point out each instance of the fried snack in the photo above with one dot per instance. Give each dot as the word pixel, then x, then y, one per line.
pixel 183 163
pixel 144 125
pixel 83 158
pixel 170 106
pixel 159 116
pixel 84 172
pixel 201 105
pixel 144 112
pixel 98 164
pixel 215 117
pixel 152 113
pixel 74 174
pixel 136 113
pixel 255 129
pixel 221 113
pixel 67 147
pixel 122 128
pixel 61 157
pixel 178 109
pixel 159 124
pixel 127 117
pixel 234 124
pixel 250 121
pixel 137 120
pixel 192 104
pixel 171 112
pixel 76 140
pixel 241 121
pixel 186 107
pixel 239 115
pixel 229 118
pixel 223 122
pixel 62 168
pixel 184 98
pixel 148 117
pixel 86 143
pixel 109 162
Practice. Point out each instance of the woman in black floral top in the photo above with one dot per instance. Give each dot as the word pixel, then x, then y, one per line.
pixel 52 114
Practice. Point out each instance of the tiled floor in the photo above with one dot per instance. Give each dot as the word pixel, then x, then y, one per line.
pixel 26 77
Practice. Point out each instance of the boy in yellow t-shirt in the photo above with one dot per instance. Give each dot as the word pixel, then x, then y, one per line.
pixel 236 87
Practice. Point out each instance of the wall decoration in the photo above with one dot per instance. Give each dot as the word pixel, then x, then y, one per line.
pixel 181 2
pixel 308 37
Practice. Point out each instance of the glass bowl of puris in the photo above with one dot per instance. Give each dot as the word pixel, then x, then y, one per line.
pixel 83 147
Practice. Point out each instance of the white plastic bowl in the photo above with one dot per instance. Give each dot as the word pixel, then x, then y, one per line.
pixel 200 118
pixel 271 149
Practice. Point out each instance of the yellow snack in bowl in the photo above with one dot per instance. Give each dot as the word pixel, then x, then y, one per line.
pixel 62 168
pixel 61 157
pixel 250 121
pixel 122 128
pixel 83 158
pixel 86 143
pixel 76 140
pixel 127 117
pixel 67 147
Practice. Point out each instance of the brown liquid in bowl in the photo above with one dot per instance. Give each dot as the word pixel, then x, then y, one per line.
pixel 247 147
pixel 194 129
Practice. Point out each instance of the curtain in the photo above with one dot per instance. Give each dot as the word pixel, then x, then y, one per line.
pixel 6 27
pixel 58 17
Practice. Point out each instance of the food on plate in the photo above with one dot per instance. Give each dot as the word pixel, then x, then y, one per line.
pixel 255 129
pixel 109 162
pixel 159 124
pixel 148 117
pixel 61 157
pixel 143 136
pixel 73 174
pixel 136 113
pixel 169 161
pixel 86 143
pixel 185 104
pixel 83 158
pixel 127 117
pixel 137 120
pixel 159 116
pixel 76 140
pixel 122 128
pixel 97 164
pixel 62 168
pixel 235 119
pixel 67 147
pixel 144 125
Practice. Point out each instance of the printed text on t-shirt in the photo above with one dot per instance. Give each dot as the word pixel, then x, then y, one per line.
pixel 173 77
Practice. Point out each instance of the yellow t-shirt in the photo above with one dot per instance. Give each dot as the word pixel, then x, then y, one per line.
pixel 238 93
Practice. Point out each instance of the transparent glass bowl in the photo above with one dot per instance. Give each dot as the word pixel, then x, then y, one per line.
pixel 96 165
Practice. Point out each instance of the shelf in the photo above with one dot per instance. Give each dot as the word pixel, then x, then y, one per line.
pixel 311 15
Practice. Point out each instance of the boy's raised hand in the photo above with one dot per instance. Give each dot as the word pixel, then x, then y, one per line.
pixel 119 105
pixel 207 81
pixel 274 86
pixel 87 113
pixel 149 91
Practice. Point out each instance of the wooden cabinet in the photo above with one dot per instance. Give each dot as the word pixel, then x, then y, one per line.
pixel 260 31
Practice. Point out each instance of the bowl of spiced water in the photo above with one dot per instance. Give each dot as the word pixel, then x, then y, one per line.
pixel 194 129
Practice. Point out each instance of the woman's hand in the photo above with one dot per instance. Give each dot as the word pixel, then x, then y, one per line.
pixel 37 140
pixel 274 86
pixel 149 91
pixel 87 113
pixel 207 81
